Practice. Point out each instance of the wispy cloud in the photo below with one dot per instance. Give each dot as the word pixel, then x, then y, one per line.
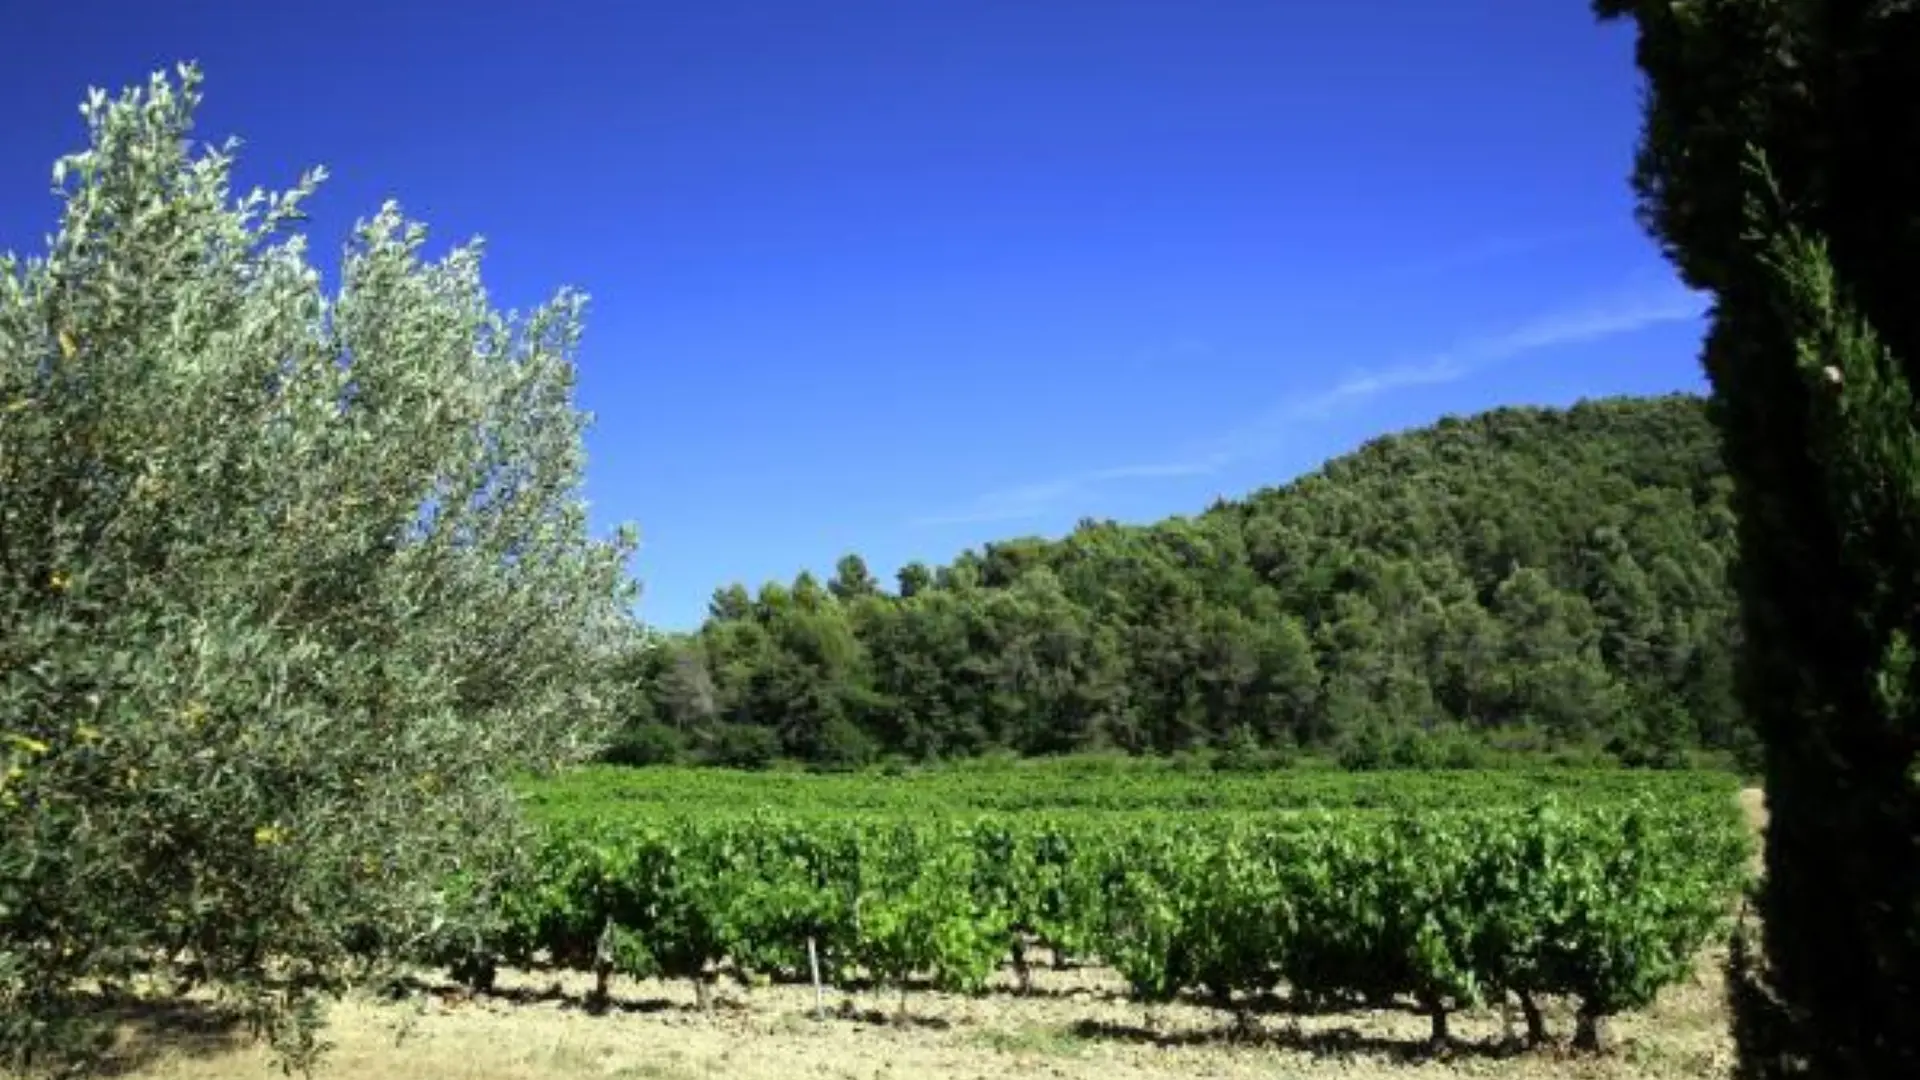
pixel 1611 316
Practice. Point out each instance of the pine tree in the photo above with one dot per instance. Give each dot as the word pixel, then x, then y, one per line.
pixel 914 578
pixel 852 580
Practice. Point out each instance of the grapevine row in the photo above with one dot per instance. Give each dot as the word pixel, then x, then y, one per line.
pixel 1092 785
pixel 1604 905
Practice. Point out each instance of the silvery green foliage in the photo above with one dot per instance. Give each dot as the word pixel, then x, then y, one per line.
pixel 289 582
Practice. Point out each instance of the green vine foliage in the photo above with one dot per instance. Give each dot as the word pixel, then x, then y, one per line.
pixel 1603 903
pixel 290 582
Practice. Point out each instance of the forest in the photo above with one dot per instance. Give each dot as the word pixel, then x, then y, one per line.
pixel 1524 581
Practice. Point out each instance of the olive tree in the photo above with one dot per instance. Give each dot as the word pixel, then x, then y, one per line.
pixel 291 581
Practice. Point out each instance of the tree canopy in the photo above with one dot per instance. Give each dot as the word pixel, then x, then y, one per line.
pixel 1777 169
pixel 289 583
pixel 1536 578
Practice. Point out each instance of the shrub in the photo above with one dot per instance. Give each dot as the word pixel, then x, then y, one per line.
pixel 646 744
pixel 744 746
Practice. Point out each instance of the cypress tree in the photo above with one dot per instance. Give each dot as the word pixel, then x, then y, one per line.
pixel 1779 170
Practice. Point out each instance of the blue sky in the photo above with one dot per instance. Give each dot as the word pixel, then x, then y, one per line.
pixel 904 276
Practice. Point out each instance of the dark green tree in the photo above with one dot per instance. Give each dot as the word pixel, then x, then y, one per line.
pixel 918 650
pixel 1780 170
pixel 808 594
pixel 1555 672
pixel 1288 705
pixel 730 602
pixel 852 580
pixel 913 579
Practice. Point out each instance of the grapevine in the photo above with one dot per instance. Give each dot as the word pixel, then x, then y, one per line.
pixel 1603 902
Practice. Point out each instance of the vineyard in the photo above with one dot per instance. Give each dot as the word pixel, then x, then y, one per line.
pixel 1595 888
pixel 1088 783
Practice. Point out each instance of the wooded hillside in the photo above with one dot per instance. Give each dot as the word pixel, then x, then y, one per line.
pixel 1526 578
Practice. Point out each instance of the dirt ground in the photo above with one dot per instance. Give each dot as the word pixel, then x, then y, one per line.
pixel 1754 801
pixel 1076 1025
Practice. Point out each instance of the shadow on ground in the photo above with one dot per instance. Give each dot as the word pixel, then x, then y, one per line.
pixel 556 994
pixel 846 1010
pixel 1329 1042
pixel 149 1031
